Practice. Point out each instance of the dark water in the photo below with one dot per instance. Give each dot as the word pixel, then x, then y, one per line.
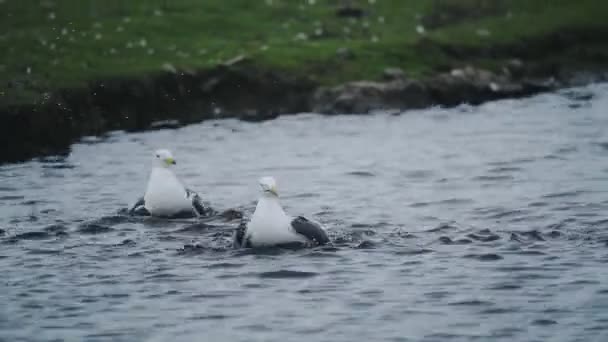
pixel 468 224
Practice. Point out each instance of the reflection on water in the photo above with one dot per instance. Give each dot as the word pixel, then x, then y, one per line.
pixel 473 223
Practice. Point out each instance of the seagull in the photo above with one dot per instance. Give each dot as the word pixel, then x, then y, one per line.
pixel 271 226
pixel 166 196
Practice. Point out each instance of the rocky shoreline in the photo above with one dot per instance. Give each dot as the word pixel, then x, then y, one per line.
pixel 239 90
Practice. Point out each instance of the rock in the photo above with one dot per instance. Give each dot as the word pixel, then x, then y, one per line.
pixel 165 124
pixel 345 53
pixel 515 68
pixel 253 115
pixel 364 96
pixel 580 78
pixel 350 11
pixel 209 84
pixel 168 67
pixel 474 86
pixel 392 74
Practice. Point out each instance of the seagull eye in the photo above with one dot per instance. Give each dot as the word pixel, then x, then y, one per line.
pixel 157 156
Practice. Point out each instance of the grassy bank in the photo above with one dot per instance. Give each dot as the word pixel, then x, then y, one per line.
pixel 53 44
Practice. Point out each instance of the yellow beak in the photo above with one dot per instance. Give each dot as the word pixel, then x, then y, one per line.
pixel 273 190
pixel 170 161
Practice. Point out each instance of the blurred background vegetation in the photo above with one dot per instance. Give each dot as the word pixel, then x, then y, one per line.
pixel 51 44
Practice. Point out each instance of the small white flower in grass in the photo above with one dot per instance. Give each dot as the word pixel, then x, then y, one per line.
pixel 169 67
pixel 269 2
pixel 312 2
pixel 381 20
pixel 346 29
pixel 143 42
pixel 52 46
pixel 126 19
pixel 150 51
pixel 28 70
pixel 365 24
pixel 158 13
pixel 120 29
pixel 202 51
pixel 420 29
pixel 301 36
pixel 129 45
pixel 43 42
pixel 483 32
pixel 97 24
pixel 318 32
pixel 264 47
pixel 375 39
pixel 64 31
pixel 98 36
pixel 371 2
pixel 113 51
pixel 52 16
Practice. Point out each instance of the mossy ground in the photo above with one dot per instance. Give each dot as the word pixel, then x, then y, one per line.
pixel 52 44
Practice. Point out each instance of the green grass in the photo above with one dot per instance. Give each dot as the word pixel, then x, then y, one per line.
pixel 51 44
pixel 525 19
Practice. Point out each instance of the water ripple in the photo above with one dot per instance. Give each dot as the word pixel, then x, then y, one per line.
pixel 444 227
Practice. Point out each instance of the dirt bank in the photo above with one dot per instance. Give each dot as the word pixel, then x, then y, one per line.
pixel 242 90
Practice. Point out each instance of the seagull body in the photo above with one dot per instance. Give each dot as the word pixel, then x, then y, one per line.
pixel 271 226
pixel 165 195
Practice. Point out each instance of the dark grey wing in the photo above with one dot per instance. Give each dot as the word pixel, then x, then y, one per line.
pixel 199 207
pixel 311 230
pixel 239 240
pixel 139 208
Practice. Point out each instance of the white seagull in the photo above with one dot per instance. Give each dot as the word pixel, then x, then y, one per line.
pixel 271 226
pixel 166 196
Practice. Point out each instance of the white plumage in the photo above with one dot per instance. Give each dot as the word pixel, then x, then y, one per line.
pixel 270 225
pixel 165 195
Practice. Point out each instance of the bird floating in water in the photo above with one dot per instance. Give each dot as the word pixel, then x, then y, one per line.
pixel 271 226
pixel 166 196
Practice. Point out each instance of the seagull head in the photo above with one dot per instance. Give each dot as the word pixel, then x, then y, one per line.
pixel 164 158
pixel 269 186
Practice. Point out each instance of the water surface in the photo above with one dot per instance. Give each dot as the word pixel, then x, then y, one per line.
pixel 464 224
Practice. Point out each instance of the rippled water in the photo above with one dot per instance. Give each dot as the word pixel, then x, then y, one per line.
pixel 473 223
